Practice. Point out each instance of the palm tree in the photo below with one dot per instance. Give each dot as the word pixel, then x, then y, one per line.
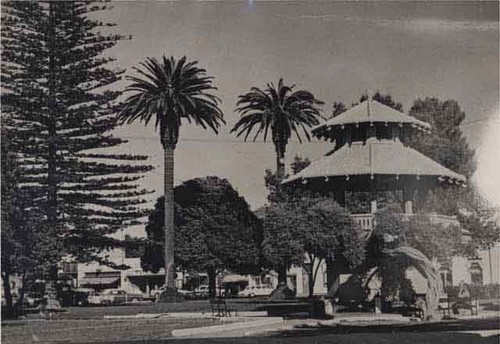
pixel 283 111
pixel 280 110
pixel 169 91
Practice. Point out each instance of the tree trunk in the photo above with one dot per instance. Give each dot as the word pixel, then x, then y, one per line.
pixel 332 278
pixel 282 275
pixel 19 309
pixel 314 274
pixel 9 313
pixel 280 162
pixel 169 217
pixel 51 127
pixel 212 289
pixel 310 280
pixel 280 174
pixel 52 176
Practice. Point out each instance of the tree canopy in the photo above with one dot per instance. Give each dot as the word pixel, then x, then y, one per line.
pixel 215 229
pixel 168 91
pixel 58 117
pixel 446 144
pixel 305 231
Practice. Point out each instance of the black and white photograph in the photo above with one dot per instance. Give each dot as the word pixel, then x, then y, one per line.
pixel 250 171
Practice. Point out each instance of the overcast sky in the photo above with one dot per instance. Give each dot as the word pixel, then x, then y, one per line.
pixel 335 50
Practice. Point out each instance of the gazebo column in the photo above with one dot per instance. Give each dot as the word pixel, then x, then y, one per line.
pixel 408 195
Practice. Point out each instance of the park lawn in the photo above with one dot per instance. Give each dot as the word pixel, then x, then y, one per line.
pixel 194 306
pixel 155 331
pixel 95 330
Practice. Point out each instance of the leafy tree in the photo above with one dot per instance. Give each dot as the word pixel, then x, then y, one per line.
pixel 169 91
pixel 385 99
pixel 215 230
pixel 26 247
pixel 338 108
pixel 433 239
pixel 481 219
pixel 299 164
pixel 281 110
pixel 273 183
pixel 58 116
pixel 446 144
pixel 306 231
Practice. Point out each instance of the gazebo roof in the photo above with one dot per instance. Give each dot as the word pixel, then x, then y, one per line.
pixel 375 157
pixel 371 111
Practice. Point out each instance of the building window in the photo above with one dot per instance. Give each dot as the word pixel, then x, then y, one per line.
pixel 476 274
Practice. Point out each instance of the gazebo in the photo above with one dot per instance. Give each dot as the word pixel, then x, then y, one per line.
pixel 371 163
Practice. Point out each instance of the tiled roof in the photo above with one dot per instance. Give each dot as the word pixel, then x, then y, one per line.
pixel 372 158
pixel 372 111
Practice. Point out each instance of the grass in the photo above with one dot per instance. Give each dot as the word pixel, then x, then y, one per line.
pixel 86 325
pixel 198 306
pixel 96 330
pixel 155 331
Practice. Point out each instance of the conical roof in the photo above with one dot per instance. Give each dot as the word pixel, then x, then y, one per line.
pixel 370 111
pixel 376 157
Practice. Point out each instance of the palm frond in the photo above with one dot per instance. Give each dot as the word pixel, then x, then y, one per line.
pixel 278 108
pixel 169 91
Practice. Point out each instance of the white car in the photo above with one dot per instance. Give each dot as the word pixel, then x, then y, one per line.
pixel 114 296
pixel 203 291
pixel 256 290
pixel 186 293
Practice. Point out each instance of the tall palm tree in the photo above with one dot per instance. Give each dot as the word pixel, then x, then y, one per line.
pixel 281 110
pixel 169 91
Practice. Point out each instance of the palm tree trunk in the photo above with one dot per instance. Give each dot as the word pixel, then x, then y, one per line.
pixel 169 217
pixel 280 162
pixel 280 174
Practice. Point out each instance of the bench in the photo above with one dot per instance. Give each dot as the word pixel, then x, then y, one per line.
pixel 444 306
pixel 220 308
pixel 467 303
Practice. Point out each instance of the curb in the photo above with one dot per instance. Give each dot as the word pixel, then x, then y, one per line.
pixel 364 319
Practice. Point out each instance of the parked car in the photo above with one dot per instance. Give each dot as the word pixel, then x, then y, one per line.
pixel 188 294
pixel 32 299
pixel 76 297
pixel 203 291
pixel 114 297
pixel 94 299
pixel 256 290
